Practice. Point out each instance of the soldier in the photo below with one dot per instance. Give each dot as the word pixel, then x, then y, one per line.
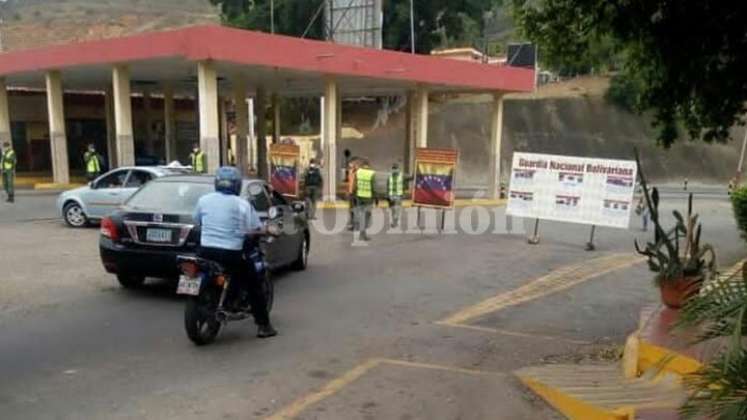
pixel 8 163
pixel 198 159
pixel 312 187
pixel 92 163
pixel 395 187
pixel 364 197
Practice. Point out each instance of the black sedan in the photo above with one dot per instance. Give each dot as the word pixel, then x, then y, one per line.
pixel 143 238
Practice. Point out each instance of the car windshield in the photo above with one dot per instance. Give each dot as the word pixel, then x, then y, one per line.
pixel 169 197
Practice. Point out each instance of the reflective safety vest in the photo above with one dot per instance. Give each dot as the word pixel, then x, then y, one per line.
pixel 364 179
pixel 93 166
pixel 396 186
pixel 198 162
pixel 9 160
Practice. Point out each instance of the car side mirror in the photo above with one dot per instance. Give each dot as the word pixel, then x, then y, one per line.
pixel 298 206
pixel 92 185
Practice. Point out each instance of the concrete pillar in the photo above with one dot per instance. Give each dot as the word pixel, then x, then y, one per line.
pixel 57 136
pixel 242 124
pixel 421 136
pixel 207 80
pixel 4 114
pixel 223 129
pixel 329 142
pixel 169 124
pixel 496 135
pixel 111 135
pixel 410 125
pixel 150 148
pixel 123 116
pixel 338 118
pixel 275 118
pixel 261 108
pixel 252 135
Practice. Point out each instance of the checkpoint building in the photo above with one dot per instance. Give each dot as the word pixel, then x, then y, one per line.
pixel 153 94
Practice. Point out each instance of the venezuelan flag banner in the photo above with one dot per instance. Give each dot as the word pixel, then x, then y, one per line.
pixel 284 160
pixel 435 171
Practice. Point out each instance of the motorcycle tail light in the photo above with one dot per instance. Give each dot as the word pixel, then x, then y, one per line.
pixel 220 281
pixel 109 229
pixel 189 269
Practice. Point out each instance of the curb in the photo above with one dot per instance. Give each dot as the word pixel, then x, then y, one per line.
pixel 459 203
pixel 615 394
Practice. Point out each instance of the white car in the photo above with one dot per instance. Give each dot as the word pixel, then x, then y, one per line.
pixel 100 197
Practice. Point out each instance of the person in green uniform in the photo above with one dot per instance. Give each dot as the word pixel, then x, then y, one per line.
pixel 198 159
pixel 8 163
pixel 92 163
pixel 395 186
pixel 364 197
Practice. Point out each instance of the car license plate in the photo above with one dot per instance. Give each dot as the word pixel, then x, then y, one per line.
pixel 188 286
pixel 158 235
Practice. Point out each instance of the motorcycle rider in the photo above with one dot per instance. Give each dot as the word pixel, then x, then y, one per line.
pixel 225 221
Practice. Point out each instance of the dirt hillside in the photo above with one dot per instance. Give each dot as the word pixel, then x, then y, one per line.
pixel 34 23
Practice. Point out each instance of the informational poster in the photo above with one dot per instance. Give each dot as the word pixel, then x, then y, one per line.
pixel 435 173
pixel 572 189
pixel 284 164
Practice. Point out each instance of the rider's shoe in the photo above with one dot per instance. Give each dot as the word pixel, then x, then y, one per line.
pixel 266 331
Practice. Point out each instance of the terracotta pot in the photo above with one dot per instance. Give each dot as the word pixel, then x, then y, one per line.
pixel 674 293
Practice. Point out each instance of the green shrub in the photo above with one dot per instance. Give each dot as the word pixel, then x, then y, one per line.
pixel 624 91
pixel 739 205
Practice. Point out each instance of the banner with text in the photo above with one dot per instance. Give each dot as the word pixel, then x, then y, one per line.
pixel 435 172
pixel 572 189
pixel 284 164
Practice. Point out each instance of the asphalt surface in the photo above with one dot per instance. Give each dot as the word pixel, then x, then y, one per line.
pixel 360 336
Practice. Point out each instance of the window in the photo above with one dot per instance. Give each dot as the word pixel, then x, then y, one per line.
pixel 138 179
pixel 115 179
pixel 169 196
pixel 258 197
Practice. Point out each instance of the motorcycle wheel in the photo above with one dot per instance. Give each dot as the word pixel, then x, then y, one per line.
pixel 199 318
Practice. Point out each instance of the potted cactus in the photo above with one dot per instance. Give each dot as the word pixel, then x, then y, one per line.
pixel 680 262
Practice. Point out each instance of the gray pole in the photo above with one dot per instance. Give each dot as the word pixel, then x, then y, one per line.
pixel 741 157
pixel 412 27
pixel 272 16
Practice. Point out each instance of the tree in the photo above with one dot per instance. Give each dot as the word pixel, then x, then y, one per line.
pixel 438 23
pixel 292 17
pixel 689 56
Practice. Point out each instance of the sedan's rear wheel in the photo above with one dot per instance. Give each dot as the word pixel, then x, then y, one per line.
pixel 130 281
pixel 74 216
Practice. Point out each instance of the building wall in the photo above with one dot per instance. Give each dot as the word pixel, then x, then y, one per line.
pixel 86 123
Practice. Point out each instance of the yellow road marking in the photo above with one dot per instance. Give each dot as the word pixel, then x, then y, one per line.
pixel 558 280
pixel 439 367
pixel 334 386
pixel 514 333
pixel 331 388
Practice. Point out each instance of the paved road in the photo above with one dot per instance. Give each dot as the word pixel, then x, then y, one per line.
pixel 360 331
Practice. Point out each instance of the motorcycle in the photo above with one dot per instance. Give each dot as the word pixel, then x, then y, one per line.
pixel 209 305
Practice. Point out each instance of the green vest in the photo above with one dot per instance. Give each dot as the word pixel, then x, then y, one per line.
pixel 93 166
pixel 198 162
pixel 364 178
pixel 9 160
pixel 396 186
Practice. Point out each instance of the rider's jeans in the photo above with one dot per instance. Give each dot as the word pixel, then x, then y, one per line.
pixel 241 277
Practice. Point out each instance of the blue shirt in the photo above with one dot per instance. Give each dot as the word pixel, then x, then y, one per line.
pixel 225 220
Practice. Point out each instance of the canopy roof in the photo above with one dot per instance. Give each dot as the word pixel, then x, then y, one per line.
pixel 285 65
